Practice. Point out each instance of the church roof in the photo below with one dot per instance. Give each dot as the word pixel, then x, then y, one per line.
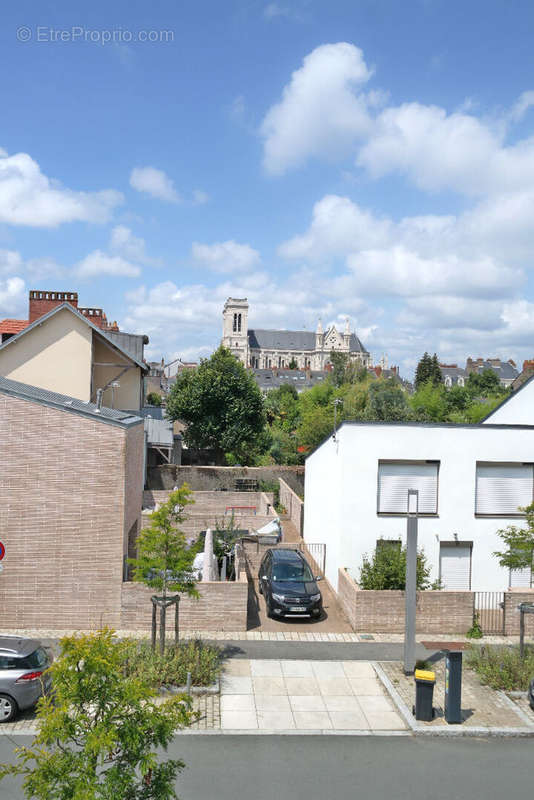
pixel 292 340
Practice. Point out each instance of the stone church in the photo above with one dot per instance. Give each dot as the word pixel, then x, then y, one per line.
pixel 272 349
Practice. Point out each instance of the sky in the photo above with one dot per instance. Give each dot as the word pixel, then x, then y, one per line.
pixel 368 159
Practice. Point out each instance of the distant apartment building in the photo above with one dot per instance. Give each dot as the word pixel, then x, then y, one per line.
pixel 75 351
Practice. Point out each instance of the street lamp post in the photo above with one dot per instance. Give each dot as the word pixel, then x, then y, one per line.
pixel 411 582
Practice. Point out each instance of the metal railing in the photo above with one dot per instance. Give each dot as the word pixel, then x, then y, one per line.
pixel 489 607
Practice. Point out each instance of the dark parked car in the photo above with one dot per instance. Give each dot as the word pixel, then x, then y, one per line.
pixel 288 585
pixel 531 694
pixel 23 677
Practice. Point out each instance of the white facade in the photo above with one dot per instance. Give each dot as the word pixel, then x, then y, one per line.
pixel 353 483
pixel 517 409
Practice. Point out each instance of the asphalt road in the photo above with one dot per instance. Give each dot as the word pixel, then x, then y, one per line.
pixel 323 651
pixel 223 767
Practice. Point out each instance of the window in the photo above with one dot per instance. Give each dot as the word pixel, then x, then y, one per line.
pixel 521 578
pixel 394 480
pixel 501 489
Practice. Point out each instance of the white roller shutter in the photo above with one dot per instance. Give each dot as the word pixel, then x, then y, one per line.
pixel 395 479
pixel 455 567
pixel 521 577
pixel 503 488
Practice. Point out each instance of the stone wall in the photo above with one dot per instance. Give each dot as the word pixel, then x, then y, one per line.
pixel 293 505
pixel 512 615
pixel 65 481
pixel 383 611
pixel 222 606
pixel 166 476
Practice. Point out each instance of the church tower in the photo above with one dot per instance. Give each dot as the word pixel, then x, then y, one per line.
pixel 235 328
pixel 346 336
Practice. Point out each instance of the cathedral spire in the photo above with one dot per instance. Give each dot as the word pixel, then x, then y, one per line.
pixel 347 326
pixel 319 326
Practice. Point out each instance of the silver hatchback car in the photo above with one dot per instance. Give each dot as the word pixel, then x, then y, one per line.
pixel 23 676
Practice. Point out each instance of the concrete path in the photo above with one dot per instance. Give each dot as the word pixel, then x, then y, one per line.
pixel 278 695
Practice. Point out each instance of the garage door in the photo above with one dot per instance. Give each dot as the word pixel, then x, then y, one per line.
pixel 455 566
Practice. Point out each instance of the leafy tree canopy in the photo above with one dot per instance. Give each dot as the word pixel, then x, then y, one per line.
pixel 519 543
pixel 99 736
pixel 154 399
pixel 222 406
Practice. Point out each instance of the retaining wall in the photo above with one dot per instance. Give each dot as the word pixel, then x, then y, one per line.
pixel 512 615
pixel 383 611
pixel 293 505
pixel 166 476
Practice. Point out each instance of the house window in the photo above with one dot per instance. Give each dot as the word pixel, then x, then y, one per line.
pixel 395 478
pixel 448 381
pixel 455 565
pixel 460 381
pixel 521 578
pixel 502 489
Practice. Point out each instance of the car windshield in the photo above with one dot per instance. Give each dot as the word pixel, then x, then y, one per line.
pixel 292 571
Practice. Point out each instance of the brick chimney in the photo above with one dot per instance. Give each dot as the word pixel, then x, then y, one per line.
pixel 43 302
pixel 528 366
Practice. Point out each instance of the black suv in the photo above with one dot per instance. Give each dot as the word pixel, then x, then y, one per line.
pixel 289 587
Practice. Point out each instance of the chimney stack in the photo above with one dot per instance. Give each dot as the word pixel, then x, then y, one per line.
pixel 40 303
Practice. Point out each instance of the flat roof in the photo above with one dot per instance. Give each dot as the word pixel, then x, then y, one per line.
pixel 44 397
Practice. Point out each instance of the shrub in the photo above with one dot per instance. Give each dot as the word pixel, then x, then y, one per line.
pixel 387 569
pixel 170 669
pixel 475 631
pixel 502 667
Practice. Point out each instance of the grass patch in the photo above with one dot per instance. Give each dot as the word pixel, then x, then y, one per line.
pixel 502 667
pixel 202 660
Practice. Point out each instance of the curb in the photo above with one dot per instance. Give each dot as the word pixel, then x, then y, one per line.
pixel 170 691
pixel 454 733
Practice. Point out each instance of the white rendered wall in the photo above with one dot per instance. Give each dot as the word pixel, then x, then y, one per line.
pixel 341 492
pixel 517 409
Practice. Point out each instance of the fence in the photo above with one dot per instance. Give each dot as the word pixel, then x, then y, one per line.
pixel 489 606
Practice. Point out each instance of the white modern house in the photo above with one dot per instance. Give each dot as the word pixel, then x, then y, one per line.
pixel 471 479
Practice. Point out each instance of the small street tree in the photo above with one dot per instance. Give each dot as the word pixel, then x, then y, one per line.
pixel 222 406
pixel 519 543
pixel 164 561
pixel 98 735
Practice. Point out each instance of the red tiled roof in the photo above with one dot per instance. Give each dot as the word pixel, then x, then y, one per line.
pixel 13 325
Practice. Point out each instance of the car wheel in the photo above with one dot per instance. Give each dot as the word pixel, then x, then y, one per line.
pixel 268 609
pixel 260 590
pixel 8 708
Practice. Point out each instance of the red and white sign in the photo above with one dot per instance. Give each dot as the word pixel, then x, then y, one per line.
pixel 2 551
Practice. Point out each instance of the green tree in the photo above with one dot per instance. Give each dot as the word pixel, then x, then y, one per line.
pixel 340 363
pixel 164 561
pixel 222 406
pixel 387 402
pixel 387 568
pixel 154 399
pixel 293 363
pixel 423 371
pixel 99 734
pixel 435 374
pixel 317 423
pixel 429 402
pixel 282 407
pixel 484 383
pixel 519 543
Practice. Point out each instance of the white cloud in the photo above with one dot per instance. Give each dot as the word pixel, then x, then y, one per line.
pixel 273 10
pixel 124 243
pixel 154 182
pixel 319 113
pixel 27 197
pixel 12 296
pixel 230 256
pixel 99 263
pixel 10 261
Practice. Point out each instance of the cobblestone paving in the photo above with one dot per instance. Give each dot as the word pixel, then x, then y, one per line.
pixel 207 706
pixel 277 636
pixel 481 706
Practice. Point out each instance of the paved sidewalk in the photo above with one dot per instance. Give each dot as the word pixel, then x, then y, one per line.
pixel 320 696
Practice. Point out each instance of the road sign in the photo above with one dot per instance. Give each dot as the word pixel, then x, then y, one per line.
pixel 2 551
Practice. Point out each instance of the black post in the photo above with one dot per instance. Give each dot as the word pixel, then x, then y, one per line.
pixel 162 615
pixel 176 620
pixel 154 621
pixel 521 631
pixel 453 687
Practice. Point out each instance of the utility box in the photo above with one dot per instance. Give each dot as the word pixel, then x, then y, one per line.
pixel 453 687
pixel 424 693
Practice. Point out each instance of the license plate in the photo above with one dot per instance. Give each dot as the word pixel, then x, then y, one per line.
pixel 297 608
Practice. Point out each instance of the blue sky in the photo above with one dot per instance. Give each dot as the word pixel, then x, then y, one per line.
pixel 368 158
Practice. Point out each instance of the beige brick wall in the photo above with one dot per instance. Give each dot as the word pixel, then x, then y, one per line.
pixel 62 516
pixel 222 606
pixel 512 615
pixel 383 611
